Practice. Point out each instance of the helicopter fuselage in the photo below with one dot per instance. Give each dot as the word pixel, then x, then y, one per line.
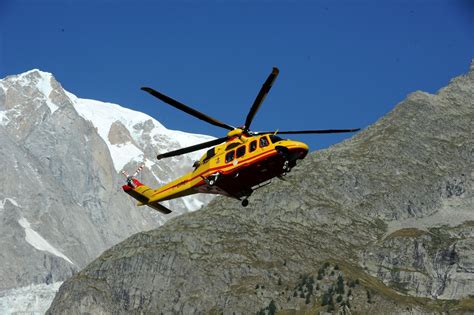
pixel 234 169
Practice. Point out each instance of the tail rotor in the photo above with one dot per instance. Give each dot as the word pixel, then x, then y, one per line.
pixel 139 169
pixel 129 179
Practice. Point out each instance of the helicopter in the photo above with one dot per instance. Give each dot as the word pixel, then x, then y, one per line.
pixel 235 165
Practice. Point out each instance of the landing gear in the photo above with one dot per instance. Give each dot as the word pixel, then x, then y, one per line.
pixel 245 196
pixel 212 179
pixel 286 167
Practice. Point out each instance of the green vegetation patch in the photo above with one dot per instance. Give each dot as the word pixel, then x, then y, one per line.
pixel 408 232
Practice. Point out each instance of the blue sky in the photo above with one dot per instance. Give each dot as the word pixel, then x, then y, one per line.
pixel 343 64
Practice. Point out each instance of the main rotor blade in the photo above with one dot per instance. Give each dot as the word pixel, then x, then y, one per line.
pixel 187 109
pixel 260 97
pixel 192 148
pixel 309 131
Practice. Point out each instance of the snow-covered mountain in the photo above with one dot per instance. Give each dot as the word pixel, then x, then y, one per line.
pixel 134 138
pixel 61 203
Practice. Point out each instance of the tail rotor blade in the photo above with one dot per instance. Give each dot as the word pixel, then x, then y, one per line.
pixel 139 169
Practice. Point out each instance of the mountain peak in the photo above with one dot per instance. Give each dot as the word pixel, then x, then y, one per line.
pixel 34 75
pixel 41 85
pixel 37 71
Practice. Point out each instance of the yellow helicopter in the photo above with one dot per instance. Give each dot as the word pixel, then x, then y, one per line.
pixel 234 166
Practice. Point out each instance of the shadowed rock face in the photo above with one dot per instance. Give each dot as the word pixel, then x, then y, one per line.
pixel 393 207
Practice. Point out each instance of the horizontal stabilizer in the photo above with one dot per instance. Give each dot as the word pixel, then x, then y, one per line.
pixel 143 193
pixel 159 208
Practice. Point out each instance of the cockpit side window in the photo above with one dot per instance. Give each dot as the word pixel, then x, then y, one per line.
pixel 263 142
pixel 253 146
pixel 229 156
pixel 210 153
pixel 240 151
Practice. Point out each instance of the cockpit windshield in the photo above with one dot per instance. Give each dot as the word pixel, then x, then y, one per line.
pixel 275 139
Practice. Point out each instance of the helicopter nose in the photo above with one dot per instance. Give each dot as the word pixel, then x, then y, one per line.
pixel 303 150
pixel 301 146
pixel 299 149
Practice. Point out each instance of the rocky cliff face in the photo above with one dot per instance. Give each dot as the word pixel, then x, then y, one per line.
pixel 380 223
pixel 60 199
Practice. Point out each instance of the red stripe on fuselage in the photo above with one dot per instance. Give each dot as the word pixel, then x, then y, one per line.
pixel 211 170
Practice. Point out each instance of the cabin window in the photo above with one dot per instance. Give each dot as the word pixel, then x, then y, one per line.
pixel 231 146
pixel 229 156
pixel 240 151
pixel 263 142
pixel 275 139
pixel 210 153
pixel 253 146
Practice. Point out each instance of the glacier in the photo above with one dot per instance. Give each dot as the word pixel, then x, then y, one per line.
pixel 32 300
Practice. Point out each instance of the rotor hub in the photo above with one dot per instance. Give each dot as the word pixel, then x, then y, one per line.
pixel 237 132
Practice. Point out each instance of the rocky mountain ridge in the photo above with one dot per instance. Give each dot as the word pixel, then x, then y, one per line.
pixel 60 199
pixel 380 223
